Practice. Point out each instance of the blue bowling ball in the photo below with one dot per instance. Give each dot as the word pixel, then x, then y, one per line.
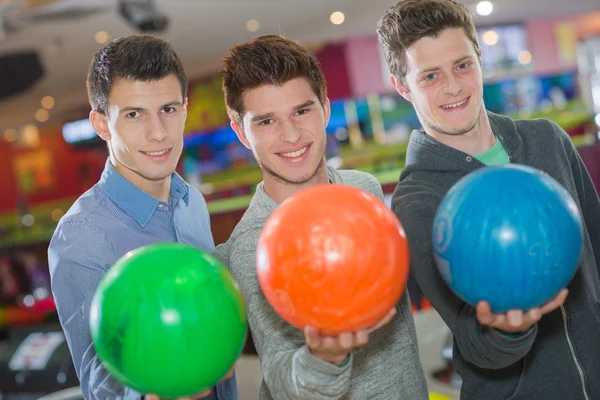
pixel 509 235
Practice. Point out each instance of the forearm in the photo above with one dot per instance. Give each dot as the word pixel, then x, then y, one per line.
pixel 98 384
pixel 289 369
pixel 487 347
pixel 298 374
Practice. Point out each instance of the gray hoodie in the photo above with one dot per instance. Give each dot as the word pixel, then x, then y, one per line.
pixel 559 358
pixel 387 368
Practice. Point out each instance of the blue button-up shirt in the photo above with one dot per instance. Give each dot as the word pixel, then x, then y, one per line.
pixel 109 220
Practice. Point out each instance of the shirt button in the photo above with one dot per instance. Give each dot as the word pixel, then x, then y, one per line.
pixel 161 205
pixel 469 158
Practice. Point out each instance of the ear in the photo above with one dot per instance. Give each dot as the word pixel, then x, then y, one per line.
pixel 100 125
pixel 185 106
pixel 400 87
pixel 327 110
pixel 240 134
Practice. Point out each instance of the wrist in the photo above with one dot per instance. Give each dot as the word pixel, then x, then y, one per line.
pixel 336 359
pixel 513 333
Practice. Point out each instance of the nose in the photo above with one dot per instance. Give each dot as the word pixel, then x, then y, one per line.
pixel 452 85
pixel 289 133
pixel 156 130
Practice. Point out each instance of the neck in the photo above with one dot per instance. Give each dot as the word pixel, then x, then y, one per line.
pixel 159 189
pixel 280 191
pixel 474 142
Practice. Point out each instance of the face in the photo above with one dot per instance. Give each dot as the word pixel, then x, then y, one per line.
pixel 284 126
pixel 144 127
pixel 444 83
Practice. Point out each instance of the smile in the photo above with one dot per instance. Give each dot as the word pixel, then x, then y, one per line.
pixel 295 154
pixel 156 153
pixel 454 105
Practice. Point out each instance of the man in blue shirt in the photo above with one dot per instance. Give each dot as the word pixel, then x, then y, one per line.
pixel 137 90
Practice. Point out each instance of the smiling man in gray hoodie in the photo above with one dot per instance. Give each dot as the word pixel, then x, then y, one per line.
pixel 550 352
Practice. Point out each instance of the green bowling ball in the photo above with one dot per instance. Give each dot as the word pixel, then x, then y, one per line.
pixel 168 319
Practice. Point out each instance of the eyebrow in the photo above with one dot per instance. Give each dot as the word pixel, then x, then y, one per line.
pixel 129 109
pixel 432 69
pixel 262 117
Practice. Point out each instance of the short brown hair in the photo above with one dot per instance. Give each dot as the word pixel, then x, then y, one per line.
pixel 410 20
pixel 137 58
pixel 267 60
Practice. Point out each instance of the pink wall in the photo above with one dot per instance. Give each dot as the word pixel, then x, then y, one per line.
pixel 544 46
pixel 365 66
pixel 552 50
pixel 335 68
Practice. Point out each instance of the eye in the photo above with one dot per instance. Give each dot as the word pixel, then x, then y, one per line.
pixel 429 77
pixel 265 122
pixel 169 110
pixel 133 115
pixel 464 65
pixel 302 111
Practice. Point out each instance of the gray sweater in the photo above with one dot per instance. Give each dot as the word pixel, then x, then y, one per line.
pixel 559 358
pixel 387 368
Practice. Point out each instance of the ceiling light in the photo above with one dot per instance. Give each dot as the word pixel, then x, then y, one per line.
pixel 101 37
pixel 490 38
pixel 48 102
pixel 485 8
pixel 42 115
pixel 252 25
pixel 10 135
pixel 524 57
pixel 337 18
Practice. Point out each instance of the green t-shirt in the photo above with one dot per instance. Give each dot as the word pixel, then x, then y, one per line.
pixel 494 156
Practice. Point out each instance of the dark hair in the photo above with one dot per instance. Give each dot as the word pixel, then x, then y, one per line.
pixel 268 59
pixel 410 20
pixel 137 58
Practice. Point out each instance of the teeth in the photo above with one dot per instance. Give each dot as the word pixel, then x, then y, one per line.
pixel 460 103
pixel 156 153
pixel 295 153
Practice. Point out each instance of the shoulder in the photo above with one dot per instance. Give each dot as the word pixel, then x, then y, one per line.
pixel 361 180
pixel 85 215
pixel 415 203
pixel 244 237
pixel 540 130
pixel 84 228
pixel 196 198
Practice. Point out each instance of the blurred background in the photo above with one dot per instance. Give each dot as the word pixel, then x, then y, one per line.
pixel 541 58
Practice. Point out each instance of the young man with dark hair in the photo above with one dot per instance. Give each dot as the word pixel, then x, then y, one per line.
pixel 549 352
pixel 137 90
pixel 277 101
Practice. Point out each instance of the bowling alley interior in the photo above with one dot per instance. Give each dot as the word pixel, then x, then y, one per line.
pixel 540 59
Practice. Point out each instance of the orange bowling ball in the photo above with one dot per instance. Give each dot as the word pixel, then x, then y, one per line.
pixel 334 257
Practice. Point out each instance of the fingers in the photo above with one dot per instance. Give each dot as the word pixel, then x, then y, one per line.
pixel 484 313
pixel 346 341
pixel 514 321
pixel 312 337
pixel 388 317
pixel 553 304
pixel 201 395
pixel 343 342
pixel 198 396
pixel 362 338
pixel 535 314
pixel 514 318
pixel 231 372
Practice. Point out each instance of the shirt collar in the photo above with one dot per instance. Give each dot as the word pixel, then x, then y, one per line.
pixel 133 200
